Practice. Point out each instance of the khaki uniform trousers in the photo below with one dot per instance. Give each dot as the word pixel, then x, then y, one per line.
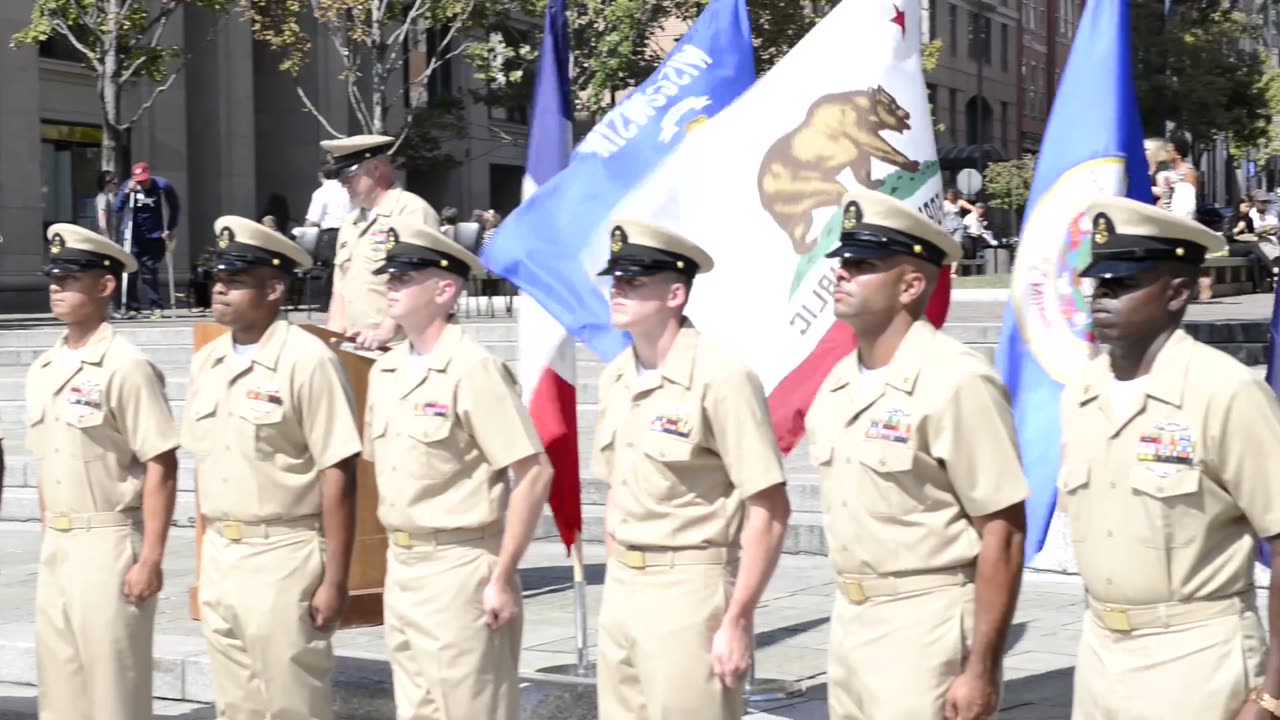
pixel 656 628
pixel 446 664
pixel 268 661
pixel 1200 669
pixel 894 656
pixel 93 648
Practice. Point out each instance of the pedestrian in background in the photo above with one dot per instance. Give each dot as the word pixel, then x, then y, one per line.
pixel 149 210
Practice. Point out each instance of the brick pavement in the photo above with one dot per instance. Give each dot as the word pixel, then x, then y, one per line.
pixel 791 623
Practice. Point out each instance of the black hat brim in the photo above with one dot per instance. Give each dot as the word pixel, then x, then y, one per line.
pixel 1109 268
pixel 863 252
pixel 66 268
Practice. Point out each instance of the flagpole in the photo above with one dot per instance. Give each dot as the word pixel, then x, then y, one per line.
pixel 761 690
pixel 582 671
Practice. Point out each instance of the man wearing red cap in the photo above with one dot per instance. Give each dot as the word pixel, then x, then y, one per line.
pixel 151 232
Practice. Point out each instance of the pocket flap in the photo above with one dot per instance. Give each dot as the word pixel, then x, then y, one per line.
pixel 378 423
pixel 204 405
pixel 1161 480
pixel 35 414
pixel 884 456
pixel 1072 477
pixel 86 419
pixel 667 448
pixel 821 453
pixel 429 429
pixel 269 416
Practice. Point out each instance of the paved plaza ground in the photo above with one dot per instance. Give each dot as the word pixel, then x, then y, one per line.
pixel 791 639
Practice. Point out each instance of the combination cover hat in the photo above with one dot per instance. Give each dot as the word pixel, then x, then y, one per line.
pixel 351 151
pixel 73 249
pixel 638 248
pixel 1129 236
pixel 413 246
pixel 875 225
pixel 243 244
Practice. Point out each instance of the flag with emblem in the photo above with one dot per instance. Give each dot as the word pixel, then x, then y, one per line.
pixel 546 367
pixel 1092 148
pixel 554 243
pixel 759 187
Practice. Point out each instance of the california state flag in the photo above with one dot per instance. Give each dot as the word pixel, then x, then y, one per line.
pixel 759 187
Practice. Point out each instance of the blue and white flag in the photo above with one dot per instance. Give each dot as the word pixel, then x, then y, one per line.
pixel 1092 148
pixel 555 242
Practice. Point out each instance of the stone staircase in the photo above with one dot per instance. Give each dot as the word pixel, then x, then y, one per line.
pixel 169 346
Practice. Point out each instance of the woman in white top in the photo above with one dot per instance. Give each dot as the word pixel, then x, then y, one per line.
pixel 105 204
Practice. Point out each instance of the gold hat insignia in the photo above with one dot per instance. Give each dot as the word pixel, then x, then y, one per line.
pixel 225 236
pixel 619 238
pixel 393 237
pixel 1101 229
pixel 852 215
pixel 56 244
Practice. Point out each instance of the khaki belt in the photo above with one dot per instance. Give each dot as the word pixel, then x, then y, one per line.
pixel 1126 618
pixel 235 531
pixel 406 539
pixel 857 589
pixel 641 558
pixel 64 522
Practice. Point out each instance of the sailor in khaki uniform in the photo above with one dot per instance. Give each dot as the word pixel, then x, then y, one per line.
pixel 1168 476
pixel 697 504
pixel 358 307
pixel 443 424
pixel 922 489
pixel 99 426
pixel 270 422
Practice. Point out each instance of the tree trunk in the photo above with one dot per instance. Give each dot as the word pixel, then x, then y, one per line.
pixel 109 87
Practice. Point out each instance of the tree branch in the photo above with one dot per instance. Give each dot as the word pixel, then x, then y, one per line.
pixel 312 109
pixel 155 40
pixel 155 94
pixel 65 31
pixel 167 8
pixel 362 115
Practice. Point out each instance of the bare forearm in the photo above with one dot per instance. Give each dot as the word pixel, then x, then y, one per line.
pixel 527 499
pixel 1271 683
pixel 999 576
pixel 337 321
pixel 762 535
pixel 159 490
pixel 338 502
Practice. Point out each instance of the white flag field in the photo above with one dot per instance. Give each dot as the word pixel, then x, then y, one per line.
pixel 759 187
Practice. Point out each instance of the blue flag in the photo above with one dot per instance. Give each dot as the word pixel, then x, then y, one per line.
pixel 1092 148
pixel 553 244
pixel 551 128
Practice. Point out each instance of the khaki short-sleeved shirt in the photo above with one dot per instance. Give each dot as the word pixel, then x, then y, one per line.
pixel 263 428
pixel 94 417
pixel 908 454
pixel 683 446
pixel 362 246
pixel 441 429
pixel 1164 499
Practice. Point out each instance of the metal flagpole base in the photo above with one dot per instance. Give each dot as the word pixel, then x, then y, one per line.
pixel 759 690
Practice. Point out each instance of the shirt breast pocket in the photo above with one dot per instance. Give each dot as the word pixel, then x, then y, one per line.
pixel 666 476
pixel 199 437
pixel 1171 504
pixel 432 448
pixel 888 484
pixel 90 440
pixel 1073 484
pixel 36 430
pixel 266 431
pixel 603 450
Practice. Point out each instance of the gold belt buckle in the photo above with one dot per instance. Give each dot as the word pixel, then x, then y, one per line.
pixel 634 559
pixel 853 590
pixel 232 531
pixel 60 522
pixel 1117 620
pixel 401 539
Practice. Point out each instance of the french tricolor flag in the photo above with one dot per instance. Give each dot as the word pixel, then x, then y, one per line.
pixel 546 367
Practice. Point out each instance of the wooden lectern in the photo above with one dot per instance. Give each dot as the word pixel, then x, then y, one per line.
pixel 369 556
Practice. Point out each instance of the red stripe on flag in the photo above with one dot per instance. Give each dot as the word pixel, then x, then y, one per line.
pixel 554 409
pixel 791 398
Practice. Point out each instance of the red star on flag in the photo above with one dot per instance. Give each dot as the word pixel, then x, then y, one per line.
pixel 900 19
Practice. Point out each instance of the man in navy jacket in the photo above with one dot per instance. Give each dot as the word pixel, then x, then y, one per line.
pixel 152 232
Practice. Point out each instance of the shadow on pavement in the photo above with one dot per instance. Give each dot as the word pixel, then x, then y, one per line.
pixel 1046 696
pixel 558 578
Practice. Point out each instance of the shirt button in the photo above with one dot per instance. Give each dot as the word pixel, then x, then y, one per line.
pixel 1113 484
pixel 1110 534
pixel 844 504
pixel 1159 488
pixel 1108 581
pixel 881 463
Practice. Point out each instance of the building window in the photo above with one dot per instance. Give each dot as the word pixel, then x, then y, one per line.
pixel 1004 125
pixel 70 157
pixel 57 47
pixel 952 21
pixel 933 95
pixel 421 46
pixel 517 97
pixel 954 115
pixel 1004 48
pixel 933 20
pixel 979 38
